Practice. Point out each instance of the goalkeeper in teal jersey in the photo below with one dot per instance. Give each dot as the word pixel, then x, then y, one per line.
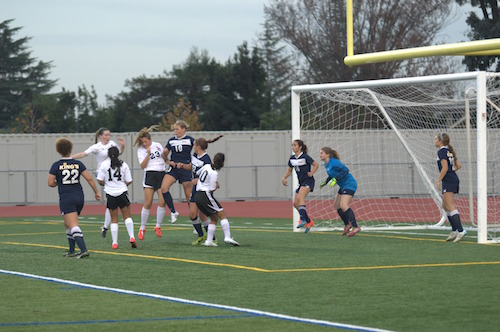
pixel 338 173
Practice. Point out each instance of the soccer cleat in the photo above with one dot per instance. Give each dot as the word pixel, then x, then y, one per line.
pixel 141 234
pixel 452 236
pixel 460 235
pixel 210 244
pixel 228 240
pixel 173 217
pixel 302 223
pixel 70 254
pixel 347 228
pixel 84 254
pixel 114 246
pixel 354 231
pixel 308 226
pixel 133 244
pixel 158 231
pixel 199 240
pixel 103 231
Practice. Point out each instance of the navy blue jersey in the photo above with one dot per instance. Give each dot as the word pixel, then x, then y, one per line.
pixel 301 165
pixel 180 149
pixel 67 172
pixel 199 161
pixel 445 153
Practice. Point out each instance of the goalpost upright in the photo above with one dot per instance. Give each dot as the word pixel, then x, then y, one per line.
pixel 332 93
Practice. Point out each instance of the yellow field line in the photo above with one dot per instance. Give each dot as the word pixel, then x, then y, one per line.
pixel 257 269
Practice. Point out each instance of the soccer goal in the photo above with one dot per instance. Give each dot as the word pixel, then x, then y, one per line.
pixel 384 132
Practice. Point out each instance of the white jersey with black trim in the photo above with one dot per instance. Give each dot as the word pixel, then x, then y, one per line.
pixel 207 178
pixel 115 180
pixel 156 162
pixel 101 151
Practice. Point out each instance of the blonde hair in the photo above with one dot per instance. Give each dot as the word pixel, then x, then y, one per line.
pixel 181 123
pixel 144 132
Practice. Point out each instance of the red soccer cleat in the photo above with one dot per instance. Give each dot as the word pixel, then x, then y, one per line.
pixel 141 234
pixel 132 243
pixel 115 246
pixel 354 231
pixel 309 225
pixel 158 231
pixel 347 228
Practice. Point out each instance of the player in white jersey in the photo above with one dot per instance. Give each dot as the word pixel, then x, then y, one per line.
pixel 115 176
pixel 206 202
pixel 102 143
pixel 151 161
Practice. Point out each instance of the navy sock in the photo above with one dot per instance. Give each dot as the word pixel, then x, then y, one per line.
pixel 81 243
pixel 303 213
pixel 350 216
pixel 71 242
pixel 170 202
pixel 199 230
pixel 343 216
pixel 456 221
pixel 452 223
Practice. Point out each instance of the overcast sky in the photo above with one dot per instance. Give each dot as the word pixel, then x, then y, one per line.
pixel 105 42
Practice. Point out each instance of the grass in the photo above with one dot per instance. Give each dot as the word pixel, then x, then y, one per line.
pixel 404 282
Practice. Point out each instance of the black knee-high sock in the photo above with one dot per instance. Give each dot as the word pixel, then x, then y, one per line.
pixel 170 202
pixel 343 216
pixel 350 216
pixel 198 228
pixel 303 213
pixel 457 222
pixel 452 223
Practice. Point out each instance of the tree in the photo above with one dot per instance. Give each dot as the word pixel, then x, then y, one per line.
pixel 487 27
pixel 316 33
pixel 21 77
pixel 182 111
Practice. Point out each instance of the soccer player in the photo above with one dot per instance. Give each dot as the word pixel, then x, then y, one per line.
pixel 301 162
pixel 449 184
pixel 150 158
pixel 114 175
pixel 65 175
pixel 199 159
pixel 179 148
pixel 339 174
pixel 206 202
pixel 102 143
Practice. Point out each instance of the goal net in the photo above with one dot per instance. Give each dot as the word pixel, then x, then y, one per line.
pixel 384 133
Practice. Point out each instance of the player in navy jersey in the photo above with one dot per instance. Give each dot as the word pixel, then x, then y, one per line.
pixel 114 174
pixel 301 162
pixel 199 159
pixel 102 143
pixel 449 183
pixel 150 158
pixel 338 173
pixel 65 175
pixel 177 155
pixel 206 202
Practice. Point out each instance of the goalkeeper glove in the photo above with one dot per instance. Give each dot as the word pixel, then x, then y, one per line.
pixel 332 182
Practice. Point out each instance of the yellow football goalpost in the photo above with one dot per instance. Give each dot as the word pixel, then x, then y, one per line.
pixel 472 48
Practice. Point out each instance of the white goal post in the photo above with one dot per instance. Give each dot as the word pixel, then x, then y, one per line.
pixel 384 132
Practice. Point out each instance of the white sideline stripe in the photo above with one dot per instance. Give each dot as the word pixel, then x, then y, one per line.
pixel 204 304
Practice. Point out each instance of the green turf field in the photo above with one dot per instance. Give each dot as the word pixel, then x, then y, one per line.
pixel 277 280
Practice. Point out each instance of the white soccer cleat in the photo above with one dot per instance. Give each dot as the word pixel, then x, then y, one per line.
pixel 228 240
pixel 210 244
pixel 173 217
pixel 452 236
pixel 460 235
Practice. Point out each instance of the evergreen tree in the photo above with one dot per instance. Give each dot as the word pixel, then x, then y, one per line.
pixel 21 77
